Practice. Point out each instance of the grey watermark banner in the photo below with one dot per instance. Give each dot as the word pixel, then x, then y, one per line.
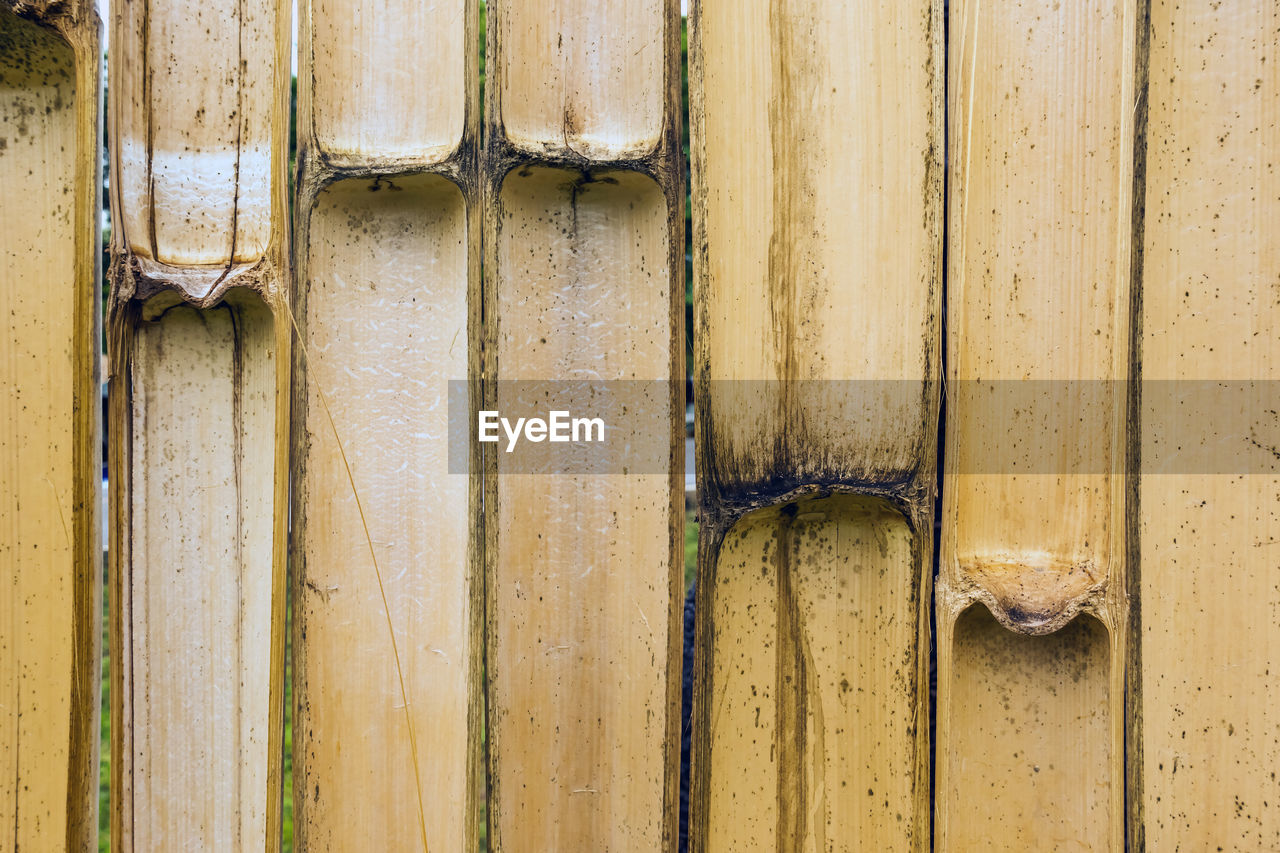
pixel 1013 427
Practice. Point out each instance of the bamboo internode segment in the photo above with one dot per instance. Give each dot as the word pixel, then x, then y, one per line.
pixel 583 280
pixel 388 80
pixel 583 77
pixel 818 198
pixel 1205 726
pixel 581 604
pixel 1041 160
pixel 385 327
pixel 198 612
pixel 818 225
pixel 50 458
pixel 196 117
pixel 1027 773
pixel 199 345
pixel 387 607
pixel 1038 290
pixel 814 740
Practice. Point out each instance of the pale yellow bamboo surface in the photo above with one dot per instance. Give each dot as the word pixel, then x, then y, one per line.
pixel 1027 772
pixel 583 77
pixel 818 214
pixel 50 541
pixel 388 79
pixel 203 393
pixel 199 346
pixel 583 281
pixel 1041 165
pixel 388 270
pixel 814 740
pixel 1209 728
pixel 818 196
pixel 385 329
pixel 581 602
pixel 196 107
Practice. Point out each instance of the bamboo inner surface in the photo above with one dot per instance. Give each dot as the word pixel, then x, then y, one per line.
pixel 1030 730
pixel 583 568
pixel 44 558
pixel 1210 541
pixel 1041 166
pixel 198 577
pixel 815 702
pixel 385 330
pixel 818 194
pixel 373 63
pixel 1031 738
pixel 197 90
pixel 581 76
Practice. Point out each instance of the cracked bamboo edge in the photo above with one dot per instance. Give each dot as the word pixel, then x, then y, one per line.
pixel 548 147
pixel 231 309
pixel 344 152
pixel 50 794
pixel 1040 288
pixel 816 448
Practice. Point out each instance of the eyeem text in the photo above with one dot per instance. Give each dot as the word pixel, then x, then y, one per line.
pixel 558 426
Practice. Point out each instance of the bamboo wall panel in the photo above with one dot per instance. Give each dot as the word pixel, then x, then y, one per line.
pixel 1207 726
pixel 50 540
pixel 386 537
pixel 199 345
pixel 1033 512
pixel 583 281
pixel 818 212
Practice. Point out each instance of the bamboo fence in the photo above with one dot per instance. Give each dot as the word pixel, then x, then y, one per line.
pixel 984 344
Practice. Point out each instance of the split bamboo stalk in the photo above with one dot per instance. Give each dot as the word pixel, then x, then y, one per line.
pixel 817 166
pixel 1030 723
pixel 1204 727
pixel 385 539
pixel 199 370
pixel 50 452
pixel 583 279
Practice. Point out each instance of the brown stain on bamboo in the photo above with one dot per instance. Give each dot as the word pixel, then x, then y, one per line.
pixel 793 700
pixel 788 263
pixel 49 64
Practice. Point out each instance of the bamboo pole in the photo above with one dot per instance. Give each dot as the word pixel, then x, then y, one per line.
pixel 818 227
pixel 1029 727
pixel 50 451
pixel 386 539
pixel 583 275
pixel 1205 721
pixel 199 345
